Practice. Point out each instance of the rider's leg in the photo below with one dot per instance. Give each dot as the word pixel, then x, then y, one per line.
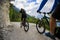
pixel 21 22
pixel 52 28
pixel 55 15
pixel 24 20
pixel 52 25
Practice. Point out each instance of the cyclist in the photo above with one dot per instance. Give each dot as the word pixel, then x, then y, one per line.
pixel 54 16
pixel 23 16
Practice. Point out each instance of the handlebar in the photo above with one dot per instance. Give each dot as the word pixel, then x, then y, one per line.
pixel 44 12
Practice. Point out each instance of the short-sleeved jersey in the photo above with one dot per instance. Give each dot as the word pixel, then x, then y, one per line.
pixel 56 2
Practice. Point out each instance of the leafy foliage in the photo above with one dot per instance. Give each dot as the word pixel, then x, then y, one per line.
pixel 14 15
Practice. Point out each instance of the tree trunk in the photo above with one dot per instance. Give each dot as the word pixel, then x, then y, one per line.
pixel 4 13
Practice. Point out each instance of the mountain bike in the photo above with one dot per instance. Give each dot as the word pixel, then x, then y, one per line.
pixel 44 22
pixel 25 24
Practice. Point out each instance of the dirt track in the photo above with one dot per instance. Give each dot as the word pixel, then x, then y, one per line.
pixel 19 33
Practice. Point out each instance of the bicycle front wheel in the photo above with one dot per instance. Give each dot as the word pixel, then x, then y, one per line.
pixel 40 26
pixel 26 27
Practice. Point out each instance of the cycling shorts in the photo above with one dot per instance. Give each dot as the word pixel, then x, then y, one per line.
pixel 56 13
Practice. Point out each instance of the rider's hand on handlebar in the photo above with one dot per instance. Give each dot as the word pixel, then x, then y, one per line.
pixel 49 13
pixel 38 11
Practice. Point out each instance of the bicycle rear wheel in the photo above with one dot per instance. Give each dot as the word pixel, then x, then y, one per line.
pixel 40 26
pixel 26 27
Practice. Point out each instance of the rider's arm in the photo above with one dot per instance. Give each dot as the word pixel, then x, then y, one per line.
pixel 42 5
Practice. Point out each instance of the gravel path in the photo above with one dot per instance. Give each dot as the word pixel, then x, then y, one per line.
pixel 19 34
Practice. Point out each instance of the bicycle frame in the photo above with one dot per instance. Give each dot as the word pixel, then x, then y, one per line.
pixel 45 19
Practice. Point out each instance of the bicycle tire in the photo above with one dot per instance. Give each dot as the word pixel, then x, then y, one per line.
pixel 40 25
pixel 26 27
